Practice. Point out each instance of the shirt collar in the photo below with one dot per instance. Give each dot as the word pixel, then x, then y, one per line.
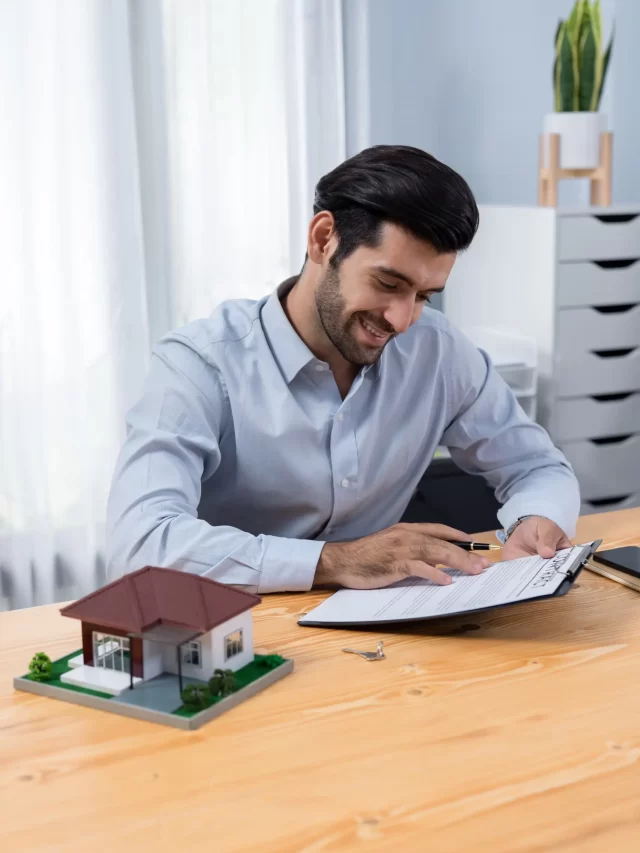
pixel 288 348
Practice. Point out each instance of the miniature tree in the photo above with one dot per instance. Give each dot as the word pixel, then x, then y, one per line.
pixel 195 697
pixel 222 683
pixel 41 667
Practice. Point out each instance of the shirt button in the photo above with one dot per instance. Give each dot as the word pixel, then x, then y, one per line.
pixel 345 484
pixel 319 367
pixel 340 418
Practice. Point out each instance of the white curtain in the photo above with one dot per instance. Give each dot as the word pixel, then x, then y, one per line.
pixel 155 159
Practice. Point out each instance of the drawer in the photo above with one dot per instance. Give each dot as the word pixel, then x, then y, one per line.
pixel 604 327
pixel 586 372
pixel 598 237
pixel 605 467
pixel 598 283
pixel 610 504
pixel 593 417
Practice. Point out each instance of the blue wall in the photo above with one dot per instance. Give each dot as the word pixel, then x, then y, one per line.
pixel 471 81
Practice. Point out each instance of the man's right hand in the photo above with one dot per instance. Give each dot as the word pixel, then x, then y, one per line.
pixel 395 553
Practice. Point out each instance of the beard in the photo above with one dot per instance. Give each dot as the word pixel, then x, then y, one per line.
pixel 331 306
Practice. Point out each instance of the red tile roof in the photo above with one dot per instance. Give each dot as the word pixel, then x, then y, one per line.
pixel 153 596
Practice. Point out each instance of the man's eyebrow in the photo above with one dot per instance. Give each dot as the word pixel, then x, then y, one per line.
pixel 393 273
pixel 390 271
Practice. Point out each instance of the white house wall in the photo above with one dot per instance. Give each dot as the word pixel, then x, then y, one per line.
pixel 152 659
pixel 243 622
pixel 203 672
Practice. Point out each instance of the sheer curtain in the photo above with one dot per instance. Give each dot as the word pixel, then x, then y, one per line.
pixel 155 158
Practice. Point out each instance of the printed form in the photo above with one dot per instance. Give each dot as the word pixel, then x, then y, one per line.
pixel 523 579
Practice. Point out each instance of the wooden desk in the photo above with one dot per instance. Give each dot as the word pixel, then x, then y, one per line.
pixel 513 731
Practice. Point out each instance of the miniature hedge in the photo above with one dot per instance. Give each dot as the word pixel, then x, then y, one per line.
pixel 40 667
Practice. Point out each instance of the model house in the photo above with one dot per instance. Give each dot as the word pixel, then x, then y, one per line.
pixel 156 621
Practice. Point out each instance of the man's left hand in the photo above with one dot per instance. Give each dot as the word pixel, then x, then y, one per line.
pixel 535 535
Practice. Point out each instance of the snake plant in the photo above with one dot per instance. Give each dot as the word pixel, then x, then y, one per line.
pixel 580 65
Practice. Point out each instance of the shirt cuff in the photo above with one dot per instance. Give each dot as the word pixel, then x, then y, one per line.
pixel 520 505
pixel 289 565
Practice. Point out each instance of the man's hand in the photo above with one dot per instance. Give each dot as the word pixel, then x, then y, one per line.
pixel 398 552
pixel 535 535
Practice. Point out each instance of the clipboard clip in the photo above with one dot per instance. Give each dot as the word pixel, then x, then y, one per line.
pixel 583 561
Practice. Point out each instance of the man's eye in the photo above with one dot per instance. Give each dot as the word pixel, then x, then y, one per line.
pixel 389 287
pixel 424 297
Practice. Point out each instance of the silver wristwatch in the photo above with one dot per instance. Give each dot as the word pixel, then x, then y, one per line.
pixel 514 525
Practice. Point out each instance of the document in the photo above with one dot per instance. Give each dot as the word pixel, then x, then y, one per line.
pixel 507 582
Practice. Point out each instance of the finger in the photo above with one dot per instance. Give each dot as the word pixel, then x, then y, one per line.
pixel 549 537
pixel 420 569
pixel 442 531
pixel 435 551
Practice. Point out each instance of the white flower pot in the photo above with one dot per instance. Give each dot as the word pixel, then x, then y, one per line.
pixel 579 138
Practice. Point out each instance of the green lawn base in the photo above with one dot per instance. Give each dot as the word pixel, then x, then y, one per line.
pixel 58 668
pixel 243 677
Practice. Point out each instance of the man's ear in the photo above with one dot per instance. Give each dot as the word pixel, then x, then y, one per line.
pixel 322 238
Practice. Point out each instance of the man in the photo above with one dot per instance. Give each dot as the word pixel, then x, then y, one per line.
pixel 277 443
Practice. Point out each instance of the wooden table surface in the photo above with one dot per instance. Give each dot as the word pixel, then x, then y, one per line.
pixel 517 730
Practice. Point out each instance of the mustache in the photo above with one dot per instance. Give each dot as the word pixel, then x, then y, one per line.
pixel 378 323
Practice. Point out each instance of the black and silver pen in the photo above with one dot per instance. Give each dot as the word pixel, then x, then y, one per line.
pixel 474 546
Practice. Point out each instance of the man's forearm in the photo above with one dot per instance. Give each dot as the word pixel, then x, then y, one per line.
pixel 225 554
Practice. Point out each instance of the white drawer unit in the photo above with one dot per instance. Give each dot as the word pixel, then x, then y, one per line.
pixel 604 236
pixel 598 283
pixel 605 466
pixel 596 416
pixel 605 327
pixel 602 371
pixel 570 279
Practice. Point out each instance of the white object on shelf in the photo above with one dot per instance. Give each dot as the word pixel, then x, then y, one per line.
pixel 579 138
pixel 514 357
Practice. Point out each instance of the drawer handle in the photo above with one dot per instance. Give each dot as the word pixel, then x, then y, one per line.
pixel 613 353
pixel 609 398
pixel 614 309
pixel 618 264
pixel 616 217
pixel 611 439
pixel 608 501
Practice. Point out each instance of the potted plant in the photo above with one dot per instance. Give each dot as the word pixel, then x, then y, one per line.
pixel 579 73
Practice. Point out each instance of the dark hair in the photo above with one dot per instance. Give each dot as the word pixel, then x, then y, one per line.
pixel 402 185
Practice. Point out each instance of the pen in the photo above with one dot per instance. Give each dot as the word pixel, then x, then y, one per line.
pixel 475 546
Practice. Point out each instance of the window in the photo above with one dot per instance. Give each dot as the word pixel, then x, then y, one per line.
pixel 111 652
pixel 232 644
pixel 193 654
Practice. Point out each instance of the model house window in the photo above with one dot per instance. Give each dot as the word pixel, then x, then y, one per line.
pixel 232 644
pixel 193 654
pixel 111 652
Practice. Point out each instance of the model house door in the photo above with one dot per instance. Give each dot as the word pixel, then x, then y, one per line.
pixel 111 652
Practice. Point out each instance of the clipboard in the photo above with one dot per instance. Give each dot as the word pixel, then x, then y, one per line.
pixel 410 600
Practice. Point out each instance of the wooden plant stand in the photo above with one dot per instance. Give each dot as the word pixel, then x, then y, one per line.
pixel 549 175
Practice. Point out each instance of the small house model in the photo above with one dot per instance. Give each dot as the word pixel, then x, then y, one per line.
pixel 156 621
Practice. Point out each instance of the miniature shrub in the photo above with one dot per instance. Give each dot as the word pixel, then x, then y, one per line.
pixel 195 696
pixel 40 667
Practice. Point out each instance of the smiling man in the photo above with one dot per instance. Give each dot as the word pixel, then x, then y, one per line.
pixel 277 443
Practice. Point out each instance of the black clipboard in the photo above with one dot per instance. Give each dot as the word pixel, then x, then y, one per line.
pixel 570 573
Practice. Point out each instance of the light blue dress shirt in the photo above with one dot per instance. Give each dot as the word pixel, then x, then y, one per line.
pixel 242 459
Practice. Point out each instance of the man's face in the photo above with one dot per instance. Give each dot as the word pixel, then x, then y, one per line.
pixel 377 293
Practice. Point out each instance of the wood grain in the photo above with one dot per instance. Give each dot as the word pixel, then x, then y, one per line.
pixel 514 731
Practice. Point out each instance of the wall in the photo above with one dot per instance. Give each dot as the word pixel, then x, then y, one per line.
pixel 470 82
pixel 244 622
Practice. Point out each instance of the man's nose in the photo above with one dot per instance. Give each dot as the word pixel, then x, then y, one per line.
pixel 400 314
